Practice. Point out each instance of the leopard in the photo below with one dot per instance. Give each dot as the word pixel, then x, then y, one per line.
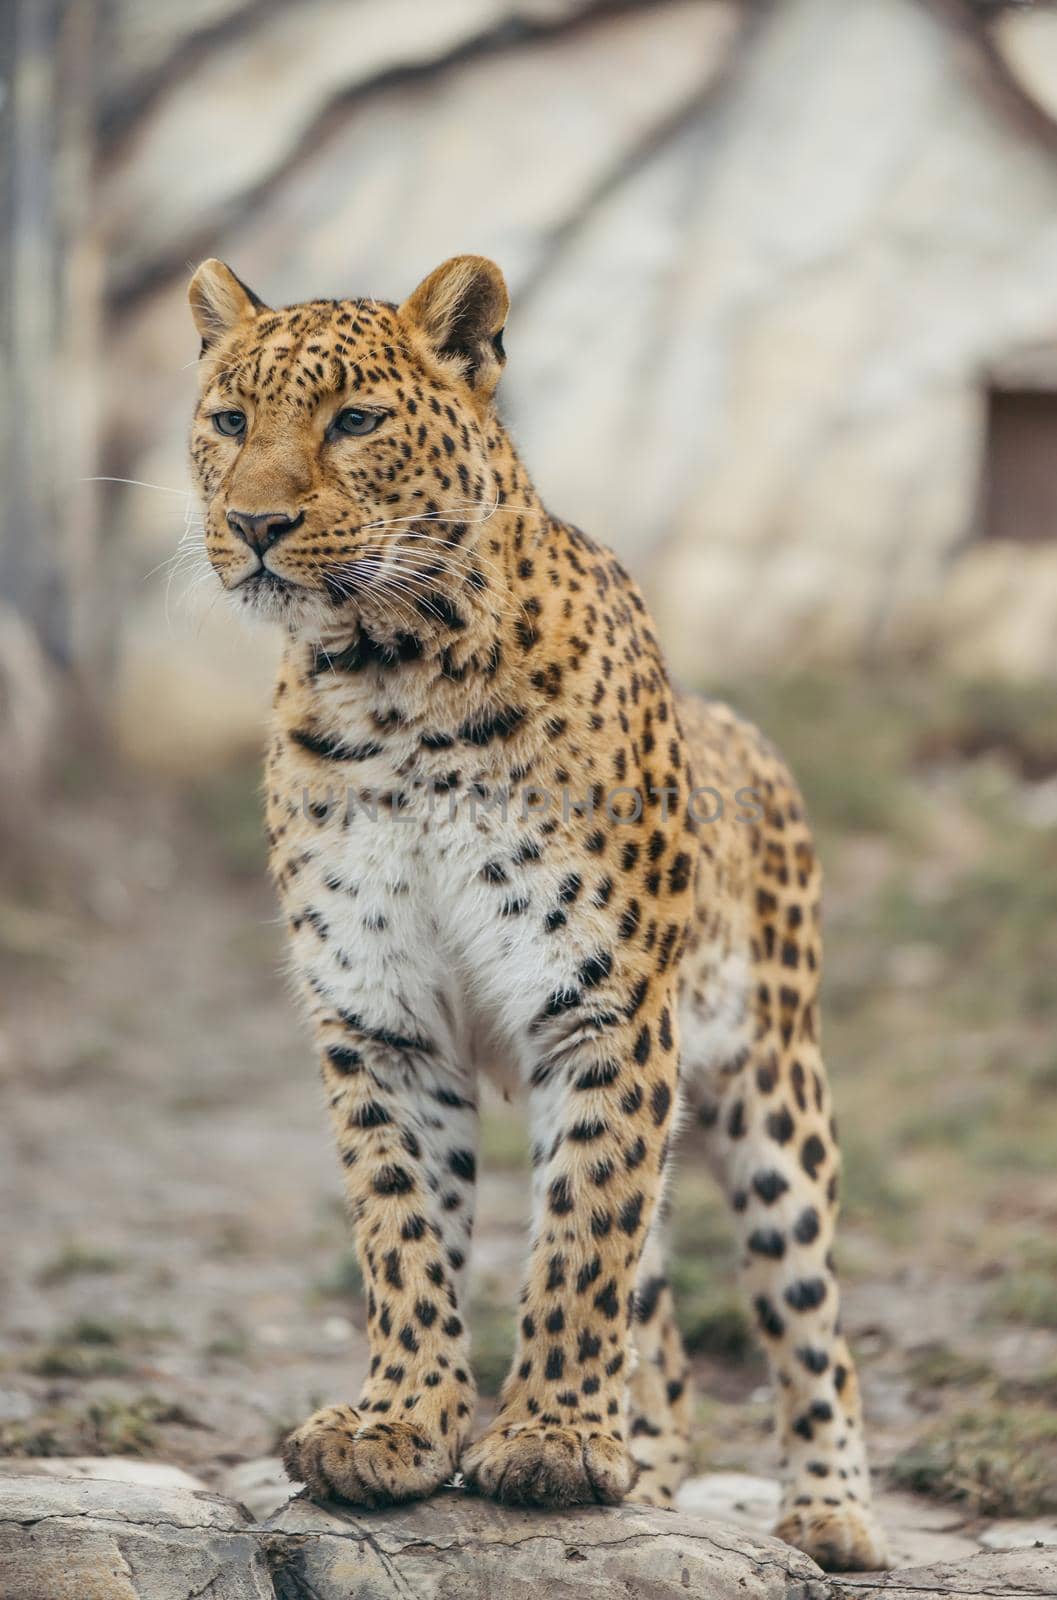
pixel 508 847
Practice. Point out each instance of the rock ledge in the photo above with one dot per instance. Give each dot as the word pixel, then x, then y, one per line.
pixel 99 1539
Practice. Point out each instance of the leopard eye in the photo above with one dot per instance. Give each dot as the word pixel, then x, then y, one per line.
pixel 229 423
pixel 356 422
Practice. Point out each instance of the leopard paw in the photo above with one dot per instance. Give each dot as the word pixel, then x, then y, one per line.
pixel 844 1538
pixel 341 1457
pixel 526 1464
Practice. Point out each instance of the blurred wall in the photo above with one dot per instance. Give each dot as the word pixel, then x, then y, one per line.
pixel 770 264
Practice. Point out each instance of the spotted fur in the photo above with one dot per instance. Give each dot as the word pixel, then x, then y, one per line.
pixel 619 954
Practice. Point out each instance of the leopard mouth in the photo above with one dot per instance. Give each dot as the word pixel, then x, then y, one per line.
pixel 264 580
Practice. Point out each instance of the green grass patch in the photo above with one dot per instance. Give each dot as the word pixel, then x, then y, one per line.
pixel 77 1260
pixel 492 1317
pixel 994 1462
pixel 1026 1297
pixel 344 1280
pixel 74 1361
pixel 504 1141
pixel 101 1428
pixel 937 1366
pixel 227 806
pixel 1027 1291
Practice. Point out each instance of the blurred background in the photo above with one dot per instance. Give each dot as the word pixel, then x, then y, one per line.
pixel 784 333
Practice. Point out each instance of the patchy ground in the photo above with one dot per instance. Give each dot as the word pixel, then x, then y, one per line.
pixel 176 1276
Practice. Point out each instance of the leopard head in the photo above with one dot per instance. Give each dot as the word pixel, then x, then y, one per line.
pixel 340 447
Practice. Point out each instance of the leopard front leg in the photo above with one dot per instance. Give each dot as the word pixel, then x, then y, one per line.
pixel 407 1135
pixel 603 1103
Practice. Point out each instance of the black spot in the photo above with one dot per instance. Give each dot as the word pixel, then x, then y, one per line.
pixel 638 995
pixel 780 1125
pixel 463 1164
pixel 501 725
pixel 630 1219
pixel 814 1360
pixel 608 1301
pixel 587 1275
pixel 770 1186
pixel 595 969
pixel 806 1227
pixel 766 1076
pixel 393 1180
pixel 767 1242
pixel 561 1200
pixel 344 1060
pixel 806 1294
pixel 370 1116
pixel 647 1296
pixel 768 1318
pixel 679 873
pixel 562 1000
pixel 329 748
pixel 636 1155
pixel 589 1346
pixel 585 1132
pixel 598 1076
pixel 555 1367
pixel 660 1102
pixel 812 1155
pixel 569 889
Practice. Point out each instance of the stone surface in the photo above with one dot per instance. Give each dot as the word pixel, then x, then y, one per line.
pixel 261 1485
pixel 92 1539
pixel 1013 1575
pixel 95 1539
pixel 1008 1535
pixel 732 1497
pixel 453 1546
pixel 116 1469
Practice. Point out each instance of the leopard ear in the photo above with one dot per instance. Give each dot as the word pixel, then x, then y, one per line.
pixel 220 302
pixel 461 309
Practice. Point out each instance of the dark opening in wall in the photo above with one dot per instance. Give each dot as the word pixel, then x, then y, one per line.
pixel 1020 478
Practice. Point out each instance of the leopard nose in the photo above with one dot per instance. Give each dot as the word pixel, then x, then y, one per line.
pixel 262 529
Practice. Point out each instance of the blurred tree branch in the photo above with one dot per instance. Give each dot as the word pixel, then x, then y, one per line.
pixel 122 110
pixel 48 302
pixel 974 21
pixel 511 33
pixel 700 100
